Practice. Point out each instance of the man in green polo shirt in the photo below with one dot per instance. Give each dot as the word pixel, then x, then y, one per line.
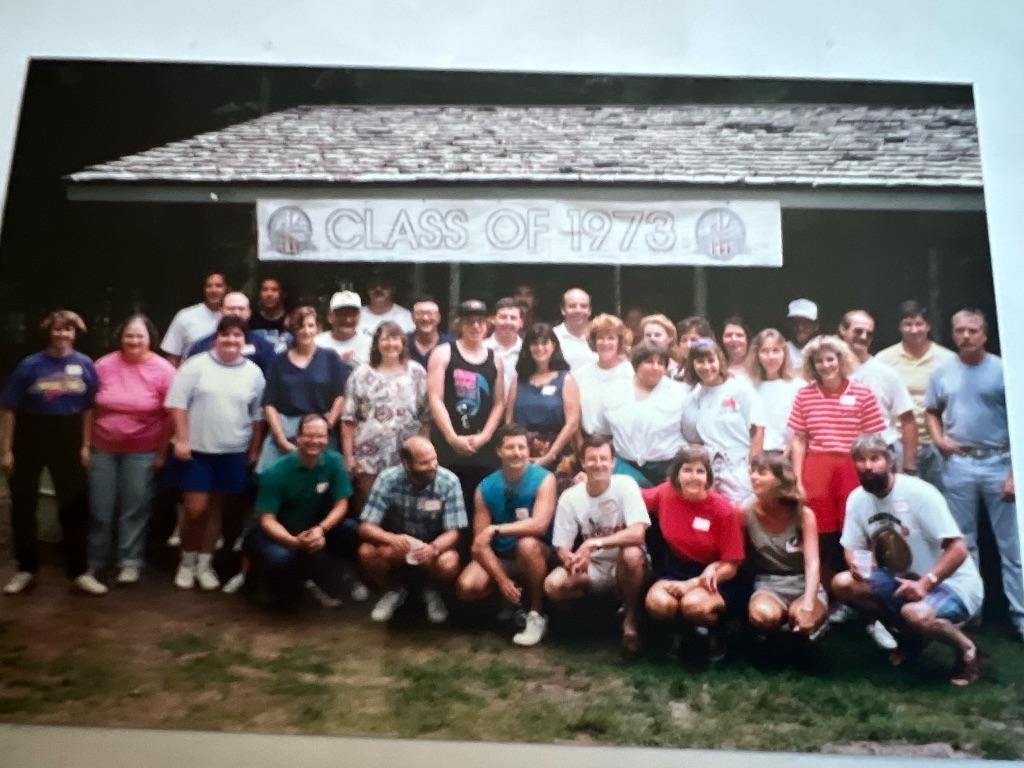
pixel 300 508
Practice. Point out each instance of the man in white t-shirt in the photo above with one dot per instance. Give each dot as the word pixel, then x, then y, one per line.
pixel 506 341
pixel 857 329
pixel 574 332
pixel 908 560
pixel 381 307
pixel 195 322
pixel 343 338
pixel 609 513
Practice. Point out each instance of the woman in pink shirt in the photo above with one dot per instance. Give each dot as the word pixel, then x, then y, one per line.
pixel 130 431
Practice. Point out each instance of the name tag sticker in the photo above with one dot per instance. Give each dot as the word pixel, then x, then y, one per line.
pixel 701 524
pixel 900 506
pixel 73 369
pixel 548 389
pixel 522 513
pixel 431 505
pixel 321 487
pixel 847 400
pixel 249 349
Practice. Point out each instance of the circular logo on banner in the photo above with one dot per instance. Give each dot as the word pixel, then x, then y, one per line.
pixel 290 230
pixel 720 234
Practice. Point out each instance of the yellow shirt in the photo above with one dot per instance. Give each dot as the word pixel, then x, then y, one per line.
pixel 915 372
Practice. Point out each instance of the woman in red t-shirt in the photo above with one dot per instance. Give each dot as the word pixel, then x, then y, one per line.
pixel 704 546
pixel 827 416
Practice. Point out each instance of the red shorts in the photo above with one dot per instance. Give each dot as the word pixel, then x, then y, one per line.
pixel 828 479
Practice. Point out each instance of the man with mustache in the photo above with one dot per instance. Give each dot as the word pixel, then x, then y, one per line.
pixel 908 561
pixel 381 307
pixel 966 414
pixel 352 347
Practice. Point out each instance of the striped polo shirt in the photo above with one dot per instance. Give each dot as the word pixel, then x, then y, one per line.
pixel 832 421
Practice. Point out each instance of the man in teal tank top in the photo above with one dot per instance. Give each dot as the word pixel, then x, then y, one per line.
pixel 512 512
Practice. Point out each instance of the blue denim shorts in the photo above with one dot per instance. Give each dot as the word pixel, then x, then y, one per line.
pixel 941 599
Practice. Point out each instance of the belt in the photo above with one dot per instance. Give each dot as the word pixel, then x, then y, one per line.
pixel 981 453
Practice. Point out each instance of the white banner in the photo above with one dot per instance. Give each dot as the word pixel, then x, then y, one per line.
pixel 706 233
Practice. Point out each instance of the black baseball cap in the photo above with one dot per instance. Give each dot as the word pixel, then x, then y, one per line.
pixel 472 307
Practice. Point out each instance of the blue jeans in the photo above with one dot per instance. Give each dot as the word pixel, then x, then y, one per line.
pixel 971 483
pixel 930 464
pixel 119 481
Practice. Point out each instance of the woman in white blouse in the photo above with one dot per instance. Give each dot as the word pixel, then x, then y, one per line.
pixel 771 373
pixel 644 416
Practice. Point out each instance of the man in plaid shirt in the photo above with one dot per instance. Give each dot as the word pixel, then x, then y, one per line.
pixel 410 528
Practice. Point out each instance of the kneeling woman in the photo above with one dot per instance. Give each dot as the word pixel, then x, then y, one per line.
pixel 782 551
pixel 704 546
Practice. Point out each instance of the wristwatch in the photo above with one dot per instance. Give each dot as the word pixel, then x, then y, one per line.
pixel 932 578
pixel 598 544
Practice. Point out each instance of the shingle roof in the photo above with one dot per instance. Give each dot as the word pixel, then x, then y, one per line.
pixel 794 144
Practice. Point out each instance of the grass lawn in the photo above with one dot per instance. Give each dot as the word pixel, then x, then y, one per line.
pixel 153 657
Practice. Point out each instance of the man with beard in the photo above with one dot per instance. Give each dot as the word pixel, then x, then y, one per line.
pixel 908 561
pixel 381 307
pixel 966 413
pixel 857 329
pixel 410 528
pixel 426 315
pixel 803 326
pixel 573 333
pixel 343 314
pixel 193 323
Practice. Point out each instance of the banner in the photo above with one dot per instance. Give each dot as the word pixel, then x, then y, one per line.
pixel 705 233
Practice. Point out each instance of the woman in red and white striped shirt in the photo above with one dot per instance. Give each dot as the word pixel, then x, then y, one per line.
pixel 827 416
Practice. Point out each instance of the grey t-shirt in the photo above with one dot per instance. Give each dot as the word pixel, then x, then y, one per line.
pixel 222 402
pixel 972 400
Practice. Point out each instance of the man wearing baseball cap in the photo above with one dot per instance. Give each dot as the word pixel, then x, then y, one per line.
pixel 466 393
pixel 803 325
pixel 343 314
pixel 381 306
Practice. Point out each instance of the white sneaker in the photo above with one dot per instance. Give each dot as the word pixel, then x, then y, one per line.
pixel 220 543
pixel 536 628
pixel 89 584
pixel 321 597
pixel 883 639
pixel 129 574
pixel 19 582
pixel 388 604
pixel 234 584
pixel 437 612
pixel 841 613
pixel 208 580
pixel 174 540
pixel 185 578
pixel 360 592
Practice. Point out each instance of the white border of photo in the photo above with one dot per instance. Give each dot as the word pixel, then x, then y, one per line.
pixel 872 40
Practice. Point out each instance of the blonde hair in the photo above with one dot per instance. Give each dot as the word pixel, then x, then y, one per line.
pixel 63 318
pixel 754 368
pixel 605 323
pixel 829 343
pixel 664 322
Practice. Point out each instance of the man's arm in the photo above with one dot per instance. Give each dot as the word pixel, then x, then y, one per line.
pixel 630 536
pixel 374 534
pixel 946 446
pixel 908 436
pixel 539 521
pixel 270 526
pixel 954 552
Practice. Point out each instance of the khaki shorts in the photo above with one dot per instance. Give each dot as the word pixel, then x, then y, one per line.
pixel 787 588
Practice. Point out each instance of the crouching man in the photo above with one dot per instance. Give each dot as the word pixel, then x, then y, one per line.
pixel 609 513
pixel 512 511
pixel 302 528
pixel 908 562
pixel 410 528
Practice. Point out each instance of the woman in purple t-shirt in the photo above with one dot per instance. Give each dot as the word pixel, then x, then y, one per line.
pixel 130 433
pixel 42 405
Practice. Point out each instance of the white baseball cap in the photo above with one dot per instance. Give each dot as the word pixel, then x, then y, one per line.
pixel 803 308
pixel 346 300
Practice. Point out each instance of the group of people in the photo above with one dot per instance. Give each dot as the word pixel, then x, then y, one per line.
pixel 702 478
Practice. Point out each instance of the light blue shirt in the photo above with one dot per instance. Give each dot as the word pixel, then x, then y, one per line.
pixel 972 401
